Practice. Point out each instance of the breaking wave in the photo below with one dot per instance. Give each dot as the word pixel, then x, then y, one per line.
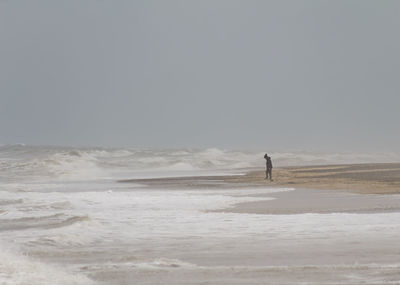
pixel 165 263
pixel 34 163
pixel 18 268
pixel 44 222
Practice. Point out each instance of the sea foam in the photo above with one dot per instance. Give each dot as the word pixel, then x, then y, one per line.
pixel 50 164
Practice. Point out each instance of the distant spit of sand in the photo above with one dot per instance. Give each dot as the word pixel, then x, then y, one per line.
pixel 377 178
pixel 314 188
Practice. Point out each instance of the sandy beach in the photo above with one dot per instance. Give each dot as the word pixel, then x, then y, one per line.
pixel 352 188
pixel 374 178
pixel 117 217
pixel 371 178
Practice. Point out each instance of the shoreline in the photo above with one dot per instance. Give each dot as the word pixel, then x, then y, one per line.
pixel 370 178
pixel 351 188
pixel 311 201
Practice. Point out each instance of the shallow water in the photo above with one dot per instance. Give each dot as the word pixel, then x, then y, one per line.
pixel 69 222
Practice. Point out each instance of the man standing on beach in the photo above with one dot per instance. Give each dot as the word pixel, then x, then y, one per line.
pixel 268 171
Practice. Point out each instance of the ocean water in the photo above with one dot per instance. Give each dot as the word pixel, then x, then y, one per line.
pixel 65 219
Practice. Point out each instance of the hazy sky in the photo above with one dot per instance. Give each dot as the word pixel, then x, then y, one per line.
pixel 311 75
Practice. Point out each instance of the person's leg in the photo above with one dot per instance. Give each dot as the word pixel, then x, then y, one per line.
pixel 270 174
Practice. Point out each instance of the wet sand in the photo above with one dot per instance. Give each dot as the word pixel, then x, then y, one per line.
pixel 314 189
pixel 303 201
pixel 339 226
pixel 377 178
pixel 319 189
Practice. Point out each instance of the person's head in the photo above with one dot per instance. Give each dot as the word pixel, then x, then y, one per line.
pixel 266 156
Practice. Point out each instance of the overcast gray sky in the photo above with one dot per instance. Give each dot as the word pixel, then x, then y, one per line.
pixel 312 75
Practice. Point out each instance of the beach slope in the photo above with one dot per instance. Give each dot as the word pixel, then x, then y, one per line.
pixel 374 178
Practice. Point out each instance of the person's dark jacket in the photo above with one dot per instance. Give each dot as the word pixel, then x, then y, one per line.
pixel 269 162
